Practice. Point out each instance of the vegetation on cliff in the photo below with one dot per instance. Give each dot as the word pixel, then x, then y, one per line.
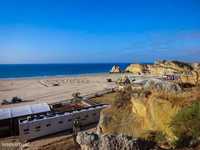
pixel 161 116
pixel 186 125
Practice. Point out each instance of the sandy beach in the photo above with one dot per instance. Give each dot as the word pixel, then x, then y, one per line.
pixel 53 89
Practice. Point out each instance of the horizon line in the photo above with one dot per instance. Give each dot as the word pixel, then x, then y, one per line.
pixel 72 63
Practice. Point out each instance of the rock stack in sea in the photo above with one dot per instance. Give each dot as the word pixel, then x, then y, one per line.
pixel 115 69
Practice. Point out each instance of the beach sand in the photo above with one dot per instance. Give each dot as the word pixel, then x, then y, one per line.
pixel 53 89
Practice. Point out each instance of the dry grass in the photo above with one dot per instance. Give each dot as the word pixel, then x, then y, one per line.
pixel 180 99
pixel 153 112
pixel 119 115
pixel 121 121
pixel 106 99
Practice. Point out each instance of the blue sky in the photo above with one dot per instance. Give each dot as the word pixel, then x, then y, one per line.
pixel 88 31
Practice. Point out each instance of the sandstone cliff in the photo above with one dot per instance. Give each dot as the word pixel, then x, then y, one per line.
pixel 187 73
pixel 149 112
pixel 169 67
pixel 137 68
pixel 140 117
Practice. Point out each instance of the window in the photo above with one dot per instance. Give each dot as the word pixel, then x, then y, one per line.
pixel 38 127
pixel 86 116
pixel 26 130
pixel 60 122
pixel 48 125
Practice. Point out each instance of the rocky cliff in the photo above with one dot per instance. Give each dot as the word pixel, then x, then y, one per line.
pixel 141 116
pixel 137 68
pixel 160 112
pixel 188 73
pixel 93 141
pixel 146 112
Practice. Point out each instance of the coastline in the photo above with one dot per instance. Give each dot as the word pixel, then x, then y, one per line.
pixel 53 76
pixel 26 71
pixel 54 89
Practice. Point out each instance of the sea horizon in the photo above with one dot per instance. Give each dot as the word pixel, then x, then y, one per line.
pixel 24 71
pixel 15 71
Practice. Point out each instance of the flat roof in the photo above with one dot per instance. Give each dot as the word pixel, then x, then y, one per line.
pixel 7 113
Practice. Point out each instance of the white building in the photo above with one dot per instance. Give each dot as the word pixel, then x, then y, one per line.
pixel 50 124
pixel 9 117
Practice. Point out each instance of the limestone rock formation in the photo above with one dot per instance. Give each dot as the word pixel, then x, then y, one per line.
pixel 137 68
pixel 192 77
pixel 161 85
pixel 141 115
pixel 154 114
pixel 115 69
pixel 87 141
pixel 124 80
pixel 187 73
pixel 169 67
pixel 196 66
pixel 93 141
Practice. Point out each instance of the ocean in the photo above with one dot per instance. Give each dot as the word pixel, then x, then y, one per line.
pixel 9 71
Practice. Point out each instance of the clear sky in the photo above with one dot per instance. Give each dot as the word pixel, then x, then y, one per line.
pixel 87 31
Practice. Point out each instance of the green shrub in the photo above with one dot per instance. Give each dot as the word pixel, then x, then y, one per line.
pixel 186 124
pixel 156 136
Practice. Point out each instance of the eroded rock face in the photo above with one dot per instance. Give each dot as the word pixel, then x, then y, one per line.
pixel 162 85
pixel 154 114
pixel 189 73
pixel 148 110
pixel 160 68
pixel 88 141
pixel 115 69
pixel 92 141
pixel 192 78
pixel 137 68
pixel 124 80
pixel 170 67
pixel 196 66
